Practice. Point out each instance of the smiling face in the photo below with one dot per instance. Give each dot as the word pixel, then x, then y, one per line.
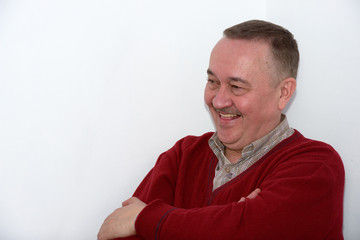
pixel 241 94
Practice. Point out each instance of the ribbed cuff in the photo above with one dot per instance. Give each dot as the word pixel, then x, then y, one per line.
pixel 150 219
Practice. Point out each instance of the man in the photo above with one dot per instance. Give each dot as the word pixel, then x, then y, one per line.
pixel 255 177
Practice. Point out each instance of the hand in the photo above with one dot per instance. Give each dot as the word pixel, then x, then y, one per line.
pixel 121 223
pixel 252 195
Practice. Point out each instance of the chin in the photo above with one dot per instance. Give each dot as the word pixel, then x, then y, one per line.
pixel 227 138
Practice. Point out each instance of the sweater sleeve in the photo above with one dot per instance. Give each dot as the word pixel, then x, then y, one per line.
pixel 163 174
pixel 300 199
pixel 160 182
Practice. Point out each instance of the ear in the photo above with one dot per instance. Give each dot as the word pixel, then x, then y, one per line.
pixel 287 89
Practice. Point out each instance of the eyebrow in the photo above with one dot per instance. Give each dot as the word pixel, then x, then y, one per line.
pixel 234 79
pixel 210 72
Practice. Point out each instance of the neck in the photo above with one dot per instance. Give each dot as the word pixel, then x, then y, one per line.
pixel 232 155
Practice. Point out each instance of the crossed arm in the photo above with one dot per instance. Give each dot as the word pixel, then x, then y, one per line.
pixel 301 198
pixel 121 223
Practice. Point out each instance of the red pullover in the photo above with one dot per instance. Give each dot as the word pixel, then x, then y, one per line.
pixel 301 182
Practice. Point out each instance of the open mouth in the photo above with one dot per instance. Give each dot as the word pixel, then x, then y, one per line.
pixel 229 116
pixel 228 113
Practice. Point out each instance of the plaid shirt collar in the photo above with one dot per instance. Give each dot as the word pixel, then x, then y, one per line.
pixel 264 144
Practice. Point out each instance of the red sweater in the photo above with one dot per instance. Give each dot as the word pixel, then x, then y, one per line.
pixel 301 182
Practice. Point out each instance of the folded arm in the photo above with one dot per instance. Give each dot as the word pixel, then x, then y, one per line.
pixel 121 223
pixel 299 199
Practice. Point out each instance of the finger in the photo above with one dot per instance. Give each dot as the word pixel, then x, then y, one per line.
pixel 130 201
pixel 254 193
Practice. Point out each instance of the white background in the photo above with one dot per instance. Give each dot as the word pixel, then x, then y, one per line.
pixel 91 92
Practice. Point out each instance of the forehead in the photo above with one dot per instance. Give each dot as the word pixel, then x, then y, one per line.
pixel 240 57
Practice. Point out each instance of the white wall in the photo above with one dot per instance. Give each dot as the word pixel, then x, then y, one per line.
pixel 91 92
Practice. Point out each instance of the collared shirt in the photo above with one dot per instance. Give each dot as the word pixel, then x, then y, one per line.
pixel 225 170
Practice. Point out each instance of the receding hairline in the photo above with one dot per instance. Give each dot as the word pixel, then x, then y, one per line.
pixel 266 57
pixel 257 30
pixel 282 44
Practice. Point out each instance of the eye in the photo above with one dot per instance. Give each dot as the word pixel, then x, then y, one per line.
pixel 212 84
pixel 236 87
pixel 237 90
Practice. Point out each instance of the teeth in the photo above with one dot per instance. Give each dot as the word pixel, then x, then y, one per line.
pixel 228 115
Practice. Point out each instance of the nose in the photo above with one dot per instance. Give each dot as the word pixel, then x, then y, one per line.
pixel 222 99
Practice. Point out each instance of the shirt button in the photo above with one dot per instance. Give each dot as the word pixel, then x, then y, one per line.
pixel 227 169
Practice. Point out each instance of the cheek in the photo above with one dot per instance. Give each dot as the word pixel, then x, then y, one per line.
pixel 244 105
pixel 263 107
pixel 252 106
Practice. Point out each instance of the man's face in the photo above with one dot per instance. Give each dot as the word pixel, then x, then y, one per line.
pixel 243 101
